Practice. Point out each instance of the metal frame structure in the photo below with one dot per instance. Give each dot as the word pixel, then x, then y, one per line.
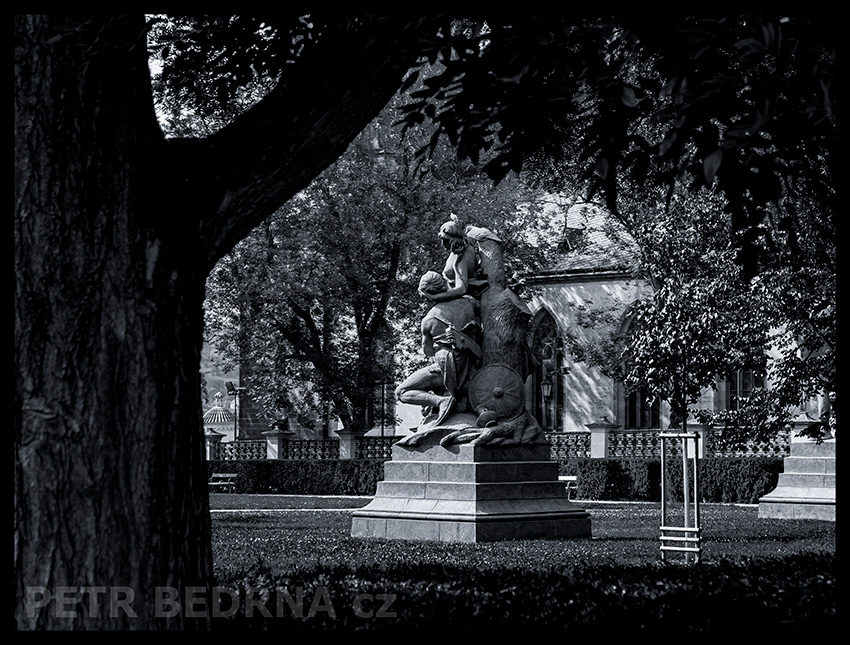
pixel 685 538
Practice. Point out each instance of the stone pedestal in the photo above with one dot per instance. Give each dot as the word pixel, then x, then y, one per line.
pixel 599 432
pixel 806 488
pixel 212 439
pixel 347 443
pixel 468 493
pixel 276 439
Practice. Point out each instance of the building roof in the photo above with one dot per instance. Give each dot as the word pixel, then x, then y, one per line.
pixel 594 243
pixel 217 414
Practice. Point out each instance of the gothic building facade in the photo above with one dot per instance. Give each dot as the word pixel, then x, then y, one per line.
pixel 585 297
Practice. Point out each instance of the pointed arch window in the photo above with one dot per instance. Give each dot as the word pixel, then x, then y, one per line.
pixel 547 390
pixel 639 413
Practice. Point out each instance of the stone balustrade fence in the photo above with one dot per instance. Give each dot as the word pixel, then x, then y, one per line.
pixel 599 441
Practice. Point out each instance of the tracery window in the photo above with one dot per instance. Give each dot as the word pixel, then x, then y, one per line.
pixel 547 389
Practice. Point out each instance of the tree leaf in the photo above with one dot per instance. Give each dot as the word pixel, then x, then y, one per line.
pixel 602 167
pixel 668 141
pixel 711 164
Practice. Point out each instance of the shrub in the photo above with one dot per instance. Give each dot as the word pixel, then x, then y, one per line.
pixel 644 477
pixel 722 479
pixel 740 480
pixel 304 476
pixel 751 598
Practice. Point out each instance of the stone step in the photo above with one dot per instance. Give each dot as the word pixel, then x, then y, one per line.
pixel 529 490
pixel 797 502
pixel 812 494
pixel 806 488
pixel 453 520
pixel 813 449
pixel 806 480
pixel 796 510
pixel 461 471
pixel 453 509
pixel 576 525
pixel 806 465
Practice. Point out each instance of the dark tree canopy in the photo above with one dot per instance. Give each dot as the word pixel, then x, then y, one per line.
pixel 745 104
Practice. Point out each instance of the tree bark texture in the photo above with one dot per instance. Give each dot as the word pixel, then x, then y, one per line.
pixel 110 488
pixel 116 230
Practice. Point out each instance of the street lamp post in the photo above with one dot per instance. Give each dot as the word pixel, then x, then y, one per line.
pixel 546 390
pixel 234 391
pixel 385 358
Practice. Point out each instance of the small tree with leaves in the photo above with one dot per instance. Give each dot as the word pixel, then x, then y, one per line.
pixel 701 320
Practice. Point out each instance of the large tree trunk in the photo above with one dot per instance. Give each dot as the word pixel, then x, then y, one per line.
pixel 115 232
pixel 110 488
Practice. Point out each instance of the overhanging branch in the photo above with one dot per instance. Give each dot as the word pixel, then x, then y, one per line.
pixel 282 143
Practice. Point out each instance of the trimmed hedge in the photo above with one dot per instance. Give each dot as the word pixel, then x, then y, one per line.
pixel 303 476
pixel 730 480
pixel 721 479
pixel 765 599
pixel 738 480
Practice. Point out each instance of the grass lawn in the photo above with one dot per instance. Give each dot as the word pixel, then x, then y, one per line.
pixel 779 573
pixel 281 536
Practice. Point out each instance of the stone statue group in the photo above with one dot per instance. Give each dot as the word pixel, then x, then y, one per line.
pixel 472 391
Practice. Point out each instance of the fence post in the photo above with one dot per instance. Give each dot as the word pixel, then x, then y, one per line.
pixel 213 438
pixel 276 439
pixel 347 443
pixel 599 431
pixel 702 430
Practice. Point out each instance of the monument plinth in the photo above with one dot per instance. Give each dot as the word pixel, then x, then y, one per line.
pixel 806 488
pixel 479 468
pixel 470 493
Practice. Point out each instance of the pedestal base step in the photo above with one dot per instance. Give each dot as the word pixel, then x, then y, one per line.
pixel 792 503
pixel 796 511
pixel 482 529
pixel 806 490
